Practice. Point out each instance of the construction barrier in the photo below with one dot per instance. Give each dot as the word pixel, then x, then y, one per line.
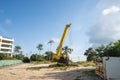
pixel 9 62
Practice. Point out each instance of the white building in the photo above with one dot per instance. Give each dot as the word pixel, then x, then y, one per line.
pixel 6 46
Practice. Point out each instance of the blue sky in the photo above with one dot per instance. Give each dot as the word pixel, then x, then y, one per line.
pixel 31 22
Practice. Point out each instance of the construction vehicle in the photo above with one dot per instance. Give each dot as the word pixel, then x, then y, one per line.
pixel 59 56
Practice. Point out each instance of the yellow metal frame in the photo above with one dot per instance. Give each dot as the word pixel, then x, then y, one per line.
pixel 59 49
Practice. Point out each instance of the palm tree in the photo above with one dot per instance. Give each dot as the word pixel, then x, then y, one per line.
pixel 67 50
pixel 50 42
pixel 40 47
pixel 49 55
pixel 18 53
pixel 17 49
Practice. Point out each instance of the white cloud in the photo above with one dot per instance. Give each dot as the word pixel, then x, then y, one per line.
pixel 107 28
pixel 8 21
pixel 113 9
pixel 56 40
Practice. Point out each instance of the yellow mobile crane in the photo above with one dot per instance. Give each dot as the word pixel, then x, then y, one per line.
pixel 59 56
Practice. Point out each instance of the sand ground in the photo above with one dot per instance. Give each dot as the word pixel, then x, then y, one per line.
pixel 20 72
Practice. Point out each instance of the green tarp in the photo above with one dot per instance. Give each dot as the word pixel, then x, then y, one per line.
pixel 9 62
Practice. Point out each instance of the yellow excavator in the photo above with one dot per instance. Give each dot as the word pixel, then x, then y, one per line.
pixel 59 56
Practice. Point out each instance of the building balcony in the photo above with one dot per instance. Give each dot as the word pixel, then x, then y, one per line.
pixel 8 48
pixel 6 43
pixel 5 52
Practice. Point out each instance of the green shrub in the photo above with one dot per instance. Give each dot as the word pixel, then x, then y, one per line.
pixel 33 57
pixel 86 64
pixel 2 56
pixel 26 60
pixel 36 57
pixel 18 56
pixel 9 58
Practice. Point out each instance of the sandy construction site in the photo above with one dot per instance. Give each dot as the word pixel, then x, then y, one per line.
pixel 23 72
